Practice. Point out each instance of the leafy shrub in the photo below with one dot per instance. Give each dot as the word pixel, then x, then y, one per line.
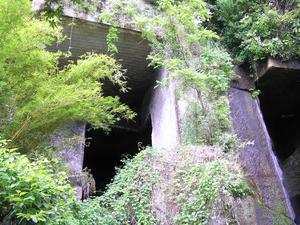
pixel 212 128
pixel 206 184
pixel 35 96
pixel 89 212
pixel 33 191
pixel 253 30
pixel 127 199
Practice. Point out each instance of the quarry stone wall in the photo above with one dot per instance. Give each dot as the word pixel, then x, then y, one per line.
pixel 167 111
pixel 163 111
pixel 70 141
pixel 257 157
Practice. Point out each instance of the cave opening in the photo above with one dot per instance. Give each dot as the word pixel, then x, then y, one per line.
pixel 104 151
pixel 280 105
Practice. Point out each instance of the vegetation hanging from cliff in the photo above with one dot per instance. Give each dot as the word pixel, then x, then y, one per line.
pixel 37 97
pixel 182 43
pixel 206 184
pixel 127 199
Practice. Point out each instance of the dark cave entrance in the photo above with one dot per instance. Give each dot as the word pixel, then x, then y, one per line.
pixel 280 105
pixel 104 151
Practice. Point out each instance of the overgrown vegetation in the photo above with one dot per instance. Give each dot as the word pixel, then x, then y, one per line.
pixel 53 9
pixel 206 184
pixel 192 54
pixel 253 30
pixel 127 199
pixel 35 192
pixel 37 97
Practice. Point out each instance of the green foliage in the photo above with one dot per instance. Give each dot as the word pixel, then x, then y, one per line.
pixel 53 9
pixel 210 126
pixel 111 39
pixel 255 92
pixel 89 212
pixel 207 121
pixel 207 187
pixel 253 30
pixel 203 183
pixel 33 191
pixel 182 44
pixel 36 97
pixel 127 199
pixel 280 216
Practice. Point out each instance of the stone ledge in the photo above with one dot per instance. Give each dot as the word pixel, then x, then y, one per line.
pixel 272 63
pixel 70 11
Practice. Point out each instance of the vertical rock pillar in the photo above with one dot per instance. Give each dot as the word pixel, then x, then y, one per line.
pixel 69 141
pixel 257 157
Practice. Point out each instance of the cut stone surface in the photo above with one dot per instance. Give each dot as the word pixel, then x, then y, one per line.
pixel 291 168
pixel 87 36
pixel 257 157
pixel 69 141
pixel 242 80
pixel 279 83
pixel 164 117
pixel 271 63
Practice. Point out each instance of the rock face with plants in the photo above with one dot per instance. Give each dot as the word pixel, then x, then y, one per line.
pixel 221 169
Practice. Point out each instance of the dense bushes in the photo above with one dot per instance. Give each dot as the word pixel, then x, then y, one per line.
pixel 33 191
pixel 37 97
pixel 253 30
pixel 206 184
pixel 127 199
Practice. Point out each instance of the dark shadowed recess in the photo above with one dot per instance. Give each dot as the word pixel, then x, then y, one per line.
pixel 104 151
pixel 280 105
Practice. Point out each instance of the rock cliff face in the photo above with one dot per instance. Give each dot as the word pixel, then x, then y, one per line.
pixel 258 159
pixel 280 104
pixel 291 174
pixel 70 140
pixel 167 110
pixel 164 115
pixel 260 164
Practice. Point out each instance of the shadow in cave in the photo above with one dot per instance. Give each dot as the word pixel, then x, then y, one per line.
pixel 104 151
pixel 280 105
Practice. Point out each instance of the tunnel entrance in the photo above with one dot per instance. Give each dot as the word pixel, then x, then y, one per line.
pixel 280 105
pixel 104 151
